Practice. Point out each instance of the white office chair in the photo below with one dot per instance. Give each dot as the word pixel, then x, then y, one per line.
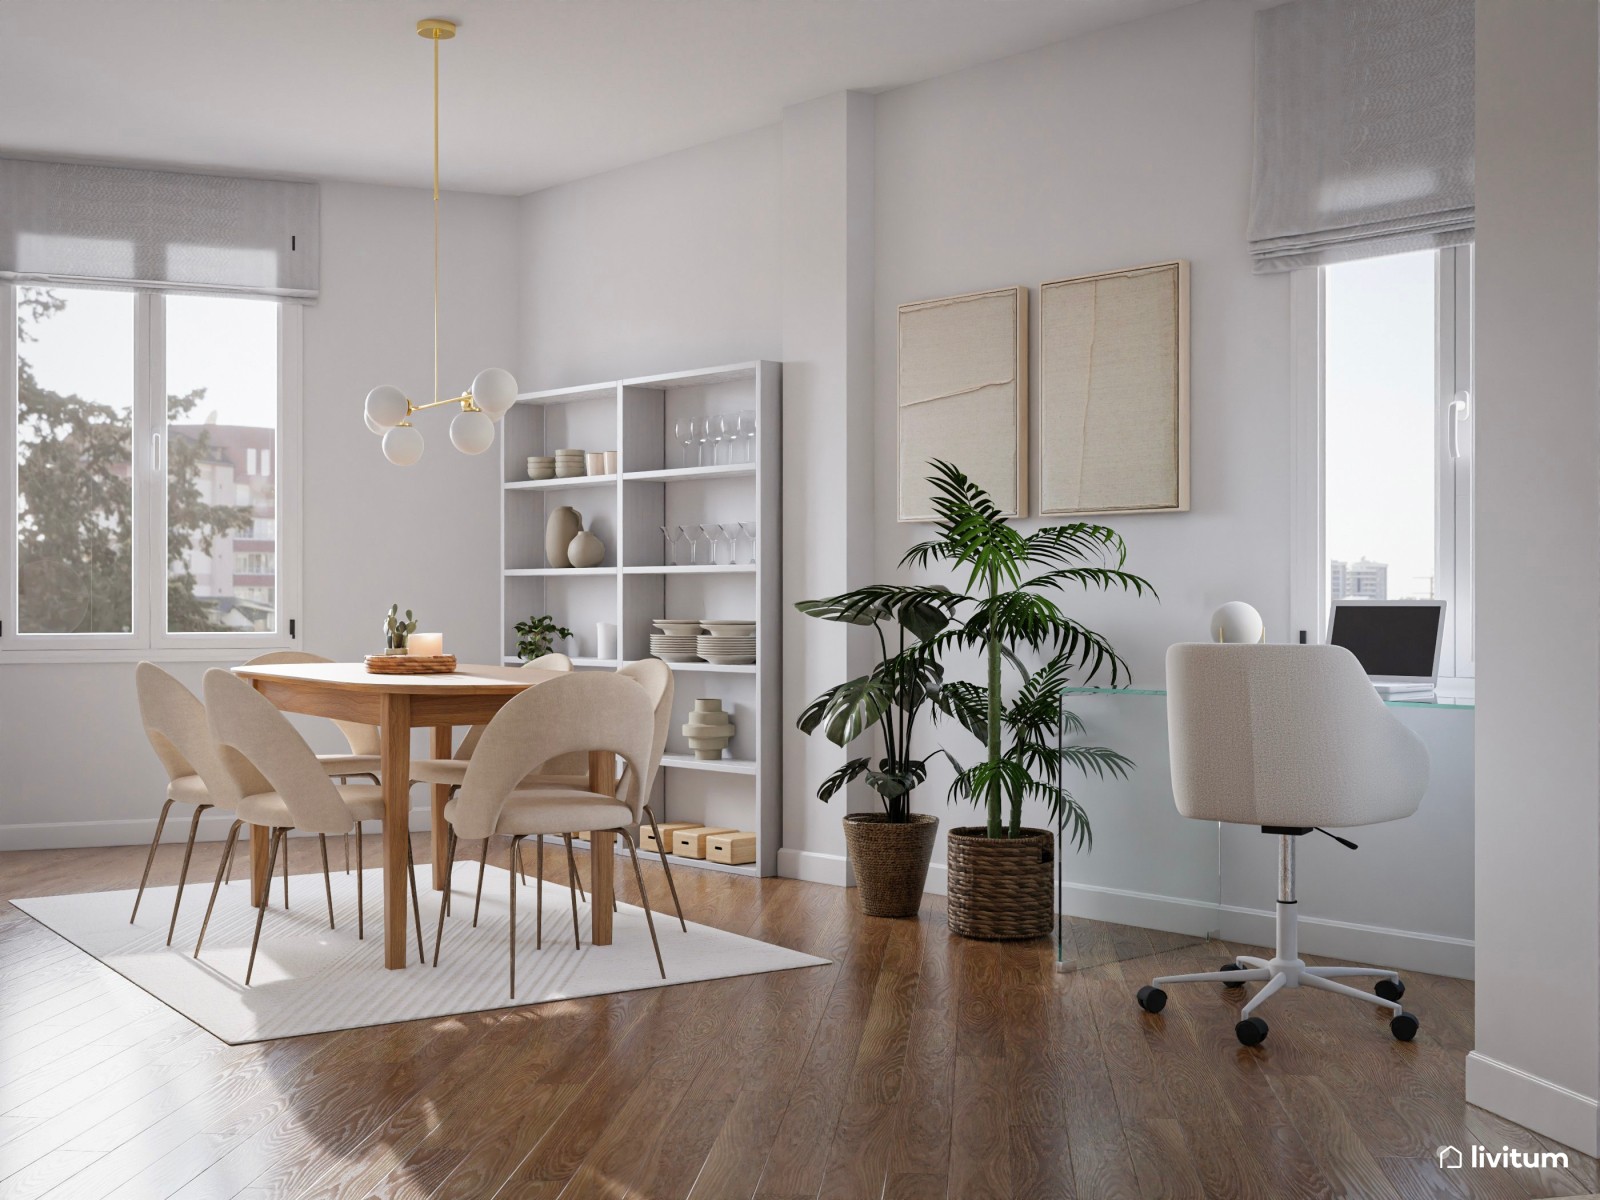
pixel 1293 739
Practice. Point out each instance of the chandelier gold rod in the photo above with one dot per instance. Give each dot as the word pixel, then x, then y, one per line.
pixel 435 41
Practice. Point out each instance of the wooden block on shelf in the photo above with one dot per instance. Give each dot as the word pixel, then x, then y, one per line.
pixel 733 848
pixel 691 842
pixel 647 835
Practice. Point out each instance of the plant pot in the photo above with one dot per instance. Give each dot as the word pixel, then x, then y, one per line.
pixel 890 861
pixel 1000 889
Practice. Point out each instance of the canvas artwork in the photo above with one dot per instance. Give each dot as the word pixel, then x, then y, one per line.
pixel 962 389
pixel 1114 392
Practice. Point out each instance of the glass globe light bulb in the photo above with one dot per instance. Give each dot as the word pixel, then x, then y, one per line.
pixel 402 445
pixel 494 390
pixel 386 406
pixel 472 432
pixel 371 424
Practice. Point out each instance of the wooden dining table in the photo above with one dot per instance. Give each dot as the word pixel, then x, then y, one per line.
pixel 397 704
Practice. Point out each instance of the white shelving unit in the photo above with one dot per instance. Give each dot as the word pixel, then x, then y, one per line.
pixel 635 584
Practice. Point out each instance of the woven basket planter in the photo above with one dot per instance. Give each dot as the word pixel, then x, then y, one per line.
pixel 1001 889
pixel 890 861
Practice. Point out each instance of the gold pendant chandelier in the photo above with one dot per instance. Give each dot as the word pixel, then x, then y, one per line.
pixel 493 390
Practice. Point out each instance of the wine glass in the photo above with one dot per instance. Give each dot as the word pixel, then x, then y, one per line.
pixel 683 430
pixel 712 533
pixel 714 426
pixel 731 534
pixel 704 427
pixel 728 431
pixel 745 425
pixel 671 558
pixel 749 528
pixel 688 532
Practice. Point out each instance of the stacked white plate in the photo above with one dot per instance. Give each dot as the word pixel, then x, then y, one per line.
pixel 542 466
pixel 727 643
pixel 673 649
pixel 569 464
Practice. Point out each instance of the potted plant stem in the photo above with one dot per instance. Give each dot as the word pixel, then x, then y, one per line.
pixel 1000 884
pixel 889 850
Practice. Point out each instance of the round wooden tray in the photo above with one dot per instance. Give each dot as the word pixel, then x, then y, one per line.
pixel 411 664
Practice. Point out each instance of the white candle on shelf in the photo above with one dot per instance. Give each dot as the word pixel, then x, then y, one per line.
pixel 425 644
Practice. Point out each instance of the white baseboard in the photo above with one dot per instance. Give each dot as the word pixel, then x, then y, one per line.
pixel 72 835
pixel 815 868
pixel 1412 951
pixel 1546 1108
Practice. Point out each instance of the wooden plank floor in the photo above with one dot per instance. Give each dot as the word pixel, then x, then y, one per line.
pixel 917 1065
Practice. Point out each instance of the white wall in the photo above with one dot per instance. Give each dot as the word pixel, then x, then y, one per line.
pixel 74 765
pixel 1128 146
pixel 1537 1057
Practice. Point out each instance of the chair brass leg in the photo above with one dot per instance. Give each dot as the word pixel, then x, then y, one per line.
pixel 512 875
pixel 278 836
pixel 361 905
pixel 222 870
pixel 521 867
pixel 327 879
pixel 285 874
pixel 577 880
pixel 416 904
pixel 662 850
pixel 150 858
pixel 183 872
pixel 444 901
pixel 483 862
pixel 346 840
pixel 572 870
pixel 649 920
pixel 538 896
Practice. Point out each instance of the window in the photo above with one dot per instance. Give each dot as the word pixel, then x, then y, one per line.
pixel 1386 496
pixel 146 511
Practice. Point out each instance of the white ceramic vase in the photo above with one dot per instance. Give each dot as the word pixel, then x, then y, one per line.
pixel 709 729
pixel 586 550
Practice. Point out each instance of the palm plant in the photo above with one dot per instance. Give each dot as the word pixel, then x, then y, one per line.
pixel 888 698
pixel 1007 606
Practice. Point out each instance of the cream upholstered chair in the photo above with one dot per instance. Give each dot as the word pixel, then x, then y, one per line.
pixel 449 772
pixel 175 722
pixel 580 712
pixel 365 757
pixel 282 787
pixel 1293 739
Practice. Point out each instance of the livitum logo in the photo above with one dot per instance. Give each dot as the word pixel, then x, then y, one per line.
pixel 1451 1158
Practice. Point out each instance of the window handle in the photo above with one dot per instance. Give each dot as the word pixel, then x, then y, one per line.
pixel 155 453
pixel 1454 415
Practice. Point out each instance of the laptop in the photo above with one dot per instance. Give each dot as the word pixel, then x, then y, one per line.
pixel 1397 642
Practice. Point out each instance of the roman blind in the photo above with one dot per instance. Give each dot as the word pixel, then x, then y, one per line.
pixel 1363 130
pixel 122 226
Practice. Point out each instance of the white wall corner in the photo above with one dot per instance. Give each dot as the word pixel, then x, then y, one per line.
pixel 1546 1108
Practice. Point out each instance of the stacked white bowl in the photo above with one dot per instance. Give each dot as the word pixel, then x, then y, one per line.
pixel 676 641
pixel 727 643
pixel 541 466
pixel 569 464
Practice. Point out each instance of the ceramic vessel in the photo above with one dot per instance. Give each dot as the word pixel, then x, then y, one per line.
pixel 565 523
pixel 709 729
pixel 585 550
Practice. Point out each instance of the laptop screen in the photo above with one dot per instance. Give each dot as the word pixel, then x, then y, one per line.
pixel 1390 639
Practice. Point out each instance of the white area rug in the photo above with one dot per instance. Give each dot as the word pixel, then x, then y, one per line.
pixel 310 979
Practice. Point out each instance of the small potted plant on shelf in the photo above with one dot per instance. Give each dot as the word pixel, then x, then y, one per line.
pixel 537 636
pixel 889 850
pixel 1000 884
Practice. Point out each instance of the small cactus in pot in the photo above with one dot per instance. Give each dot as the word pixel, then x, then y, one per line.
pixel 397 630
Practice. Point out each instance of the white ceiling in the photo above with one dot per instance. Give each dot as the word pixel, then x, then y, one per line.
pixel 535 92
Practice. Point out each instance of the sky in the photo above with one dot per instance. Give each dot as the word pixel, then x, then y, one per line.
pixel 1379 404
pixel 228 346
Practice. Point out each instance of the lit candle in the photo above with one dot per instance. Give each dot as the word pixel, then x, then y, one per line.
pixel 424 644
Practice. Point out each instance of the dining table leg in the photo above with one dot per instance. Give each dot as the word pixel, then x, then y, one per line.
pixel 260 842
pixel 395 736
pixel 443 747
pixel 602 851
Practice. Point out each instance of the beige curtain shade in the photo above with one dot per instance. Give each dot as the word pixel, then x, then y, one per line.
pixel 1363 130
pixel 81 223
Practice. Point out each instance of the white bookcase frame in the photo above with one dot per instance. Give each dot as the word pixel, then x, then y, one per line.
pixel 635 585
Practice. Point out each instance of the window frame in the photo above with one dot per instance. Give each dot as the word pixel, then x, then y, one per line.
pixel 1453 491
pixel 149 638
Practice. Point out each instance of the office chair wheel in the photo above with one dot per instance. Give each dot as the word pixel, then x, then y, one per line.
pixel 1252 1031
pixel 1404 1027
pixel 1151 999
pixel 1232 966
pixel 1390 989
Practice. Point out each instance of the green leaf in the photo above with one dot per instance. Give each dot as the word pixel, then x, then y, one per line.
pixel 840 778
